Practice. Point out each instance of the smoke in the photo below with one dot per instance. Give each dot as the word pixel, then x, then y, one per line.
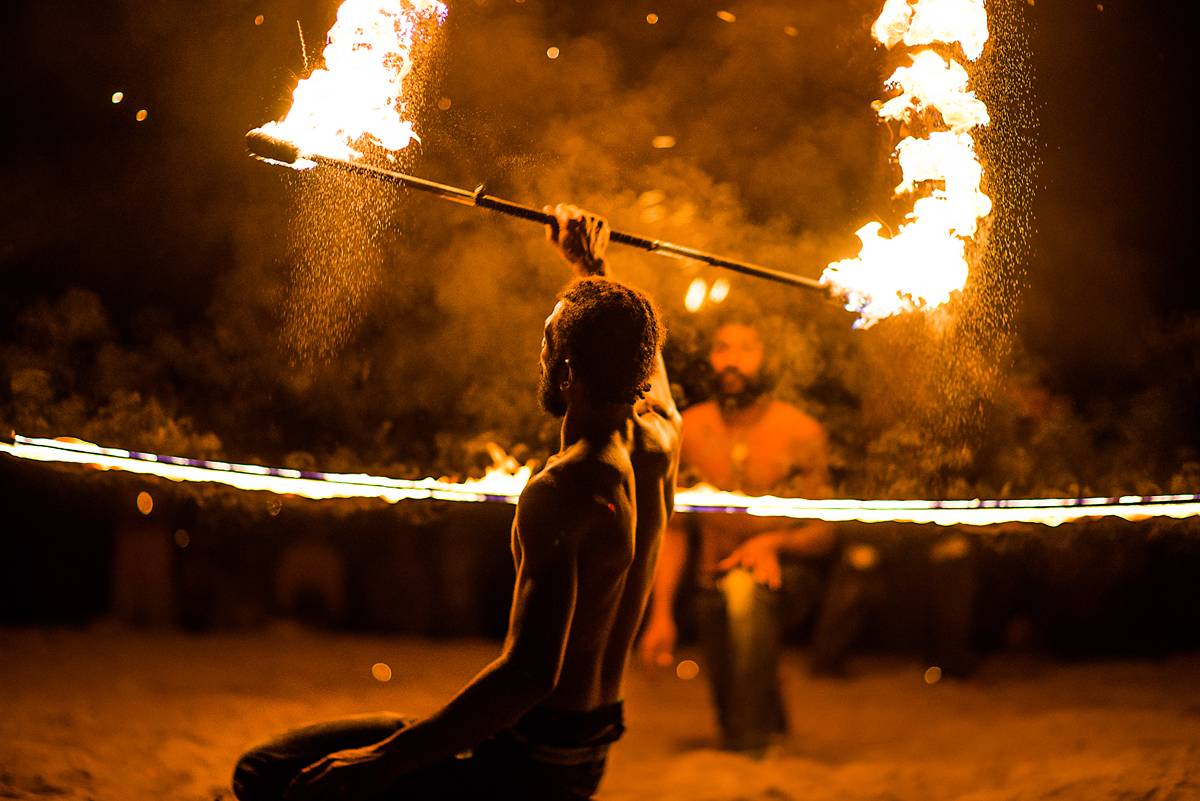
pixel 289 312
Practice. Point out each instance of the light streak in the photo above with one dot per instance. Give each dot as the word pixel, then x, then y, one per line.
pixel 504 486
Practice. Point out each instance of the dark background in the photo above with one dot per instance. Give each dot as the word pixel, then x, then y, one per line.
pixel 154 258
pixel 164 292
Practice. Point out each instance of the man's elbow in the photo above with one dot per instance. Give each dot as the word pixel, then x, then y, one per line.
pixel 534 679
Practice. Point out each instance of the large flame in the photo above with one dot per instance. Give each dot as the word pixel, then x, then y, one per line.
pixel 925 261
pixel 357 98
pixel 505 480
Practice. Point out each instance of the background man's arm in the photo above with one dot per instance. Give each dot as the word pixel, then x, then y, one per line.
pixel 657 646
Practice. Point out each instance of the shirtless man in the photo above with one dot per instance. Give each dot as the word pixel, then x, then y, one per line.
pixel 537 722
pixel 755 574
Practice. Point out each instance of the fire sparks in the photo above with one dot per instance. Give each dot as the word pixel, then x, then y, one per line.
pixel 925 261
pixel 505 480
pixel 357 98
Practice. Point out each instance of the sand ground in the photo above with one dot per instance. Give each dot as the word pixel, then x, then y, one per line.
pixel 115 715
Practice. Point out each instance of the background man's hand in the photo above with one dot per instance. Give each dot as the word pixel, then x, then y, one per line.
pixel 582 237
pixel 759 555
pixel 657 647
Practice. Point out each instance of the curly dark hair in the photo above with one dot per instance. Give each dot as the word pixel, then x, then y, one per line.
pixel 611 332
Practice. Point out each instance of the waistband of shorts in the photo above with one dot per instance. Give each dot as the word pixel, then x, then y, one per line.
pixel 571 729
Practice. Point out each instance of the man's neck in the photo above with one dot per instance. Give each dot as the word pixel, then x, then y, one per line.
pixel 593 423
pixel 743 416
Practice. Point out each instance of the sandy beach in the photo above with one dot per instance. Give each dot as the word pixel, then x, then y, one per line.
pixel 108 714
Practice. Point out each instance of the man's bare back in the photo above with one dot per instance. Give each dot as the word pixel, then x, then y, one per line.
pixel 584 506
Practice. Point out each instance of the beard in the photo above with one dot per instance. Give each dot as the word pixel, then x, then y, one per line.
pixel 549 396
pixel 736 390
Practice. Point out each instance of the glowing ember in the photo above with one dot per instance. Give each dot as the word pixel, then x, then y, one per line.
pixel 925 261
pixel 718 291
pixel 505 480
pixel 357 98
pixel 699 292
pixel 696 292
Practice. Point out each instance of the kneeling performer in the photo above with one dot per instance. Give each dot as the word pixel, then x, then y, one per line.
pixel 537 722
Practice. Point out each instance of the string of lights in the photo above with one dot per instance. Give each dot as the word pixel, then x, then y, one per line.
pixel 504 486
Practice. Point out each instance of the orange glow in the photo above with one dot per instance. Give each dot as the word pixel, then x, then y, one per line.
pixel 117 97
pixel 726 16
pixel 924 262
pixel 141 115
pixel 687 670
pixel 652 19
pixel 357 98
pixel 380 671
pixel 445 103
pixel 145 503
pixel 696 292
pixel 552 52
pixel 259 19
pixel 933 675
pixel 663 142
pixel 791 30
pixel 718 291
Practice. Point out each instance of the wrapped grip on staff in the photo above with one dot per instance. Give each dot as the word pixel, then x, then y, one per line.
pixel 510 208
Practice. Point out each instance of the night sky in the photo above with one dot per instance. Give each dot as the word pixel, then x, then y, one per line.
pixel 192 250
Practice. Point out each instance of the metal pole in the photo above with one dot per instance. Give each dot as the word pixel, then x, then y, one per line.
pixel 272 149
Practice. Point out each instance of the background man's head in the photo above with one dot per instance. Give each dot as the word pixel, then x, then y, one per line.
pixel 605 335
pixel 737 358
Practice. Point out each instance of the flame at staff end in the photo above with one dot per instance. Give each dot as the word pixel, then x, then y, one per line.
pixel 357 98
pixel 924 263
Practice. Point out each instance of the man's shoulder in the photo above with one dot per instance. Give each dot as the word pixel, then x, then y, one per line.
pixel 784 414
pixel 707 411
pixel 566 503
pixel 568 480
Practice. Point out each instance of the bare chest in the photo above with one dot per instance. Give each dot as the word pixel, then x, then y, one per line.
pixel 752 458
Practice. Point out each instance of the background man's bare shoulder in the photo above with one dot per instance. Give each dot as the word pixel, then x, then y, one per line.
pixel 798 423
pixel 700 415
